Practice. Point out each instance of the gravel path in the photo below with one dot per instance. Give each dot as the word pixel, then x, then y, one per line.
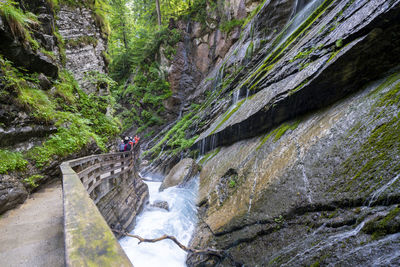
pixel 32 234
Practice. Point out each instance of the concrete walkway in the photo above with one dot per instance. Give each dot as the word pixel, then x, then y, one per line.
pixel 32 234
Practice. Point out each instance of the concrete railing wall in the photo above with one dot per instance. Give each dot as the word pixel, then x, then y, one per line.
pixel 88 239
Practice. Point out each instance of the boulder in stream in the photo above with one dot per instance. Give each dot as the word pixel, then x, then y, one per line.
pixel 160 204
pixel 180 173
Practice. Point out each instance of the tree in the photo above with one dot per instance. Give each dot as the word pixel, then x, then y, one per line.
pixel 158 12
pixel 119 42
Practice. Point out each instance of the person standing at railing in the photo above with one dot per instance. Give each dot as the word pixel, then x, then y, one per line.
pixel 125 146
pixel 136 139
pixel 131 142
pixel 121 146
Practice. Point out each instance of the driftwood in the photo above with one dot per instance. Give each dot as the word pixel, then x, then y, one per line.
pixel 209 251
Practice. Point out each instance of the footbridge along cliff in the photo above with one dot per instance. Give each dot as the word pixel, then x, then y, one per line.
pixel 103 180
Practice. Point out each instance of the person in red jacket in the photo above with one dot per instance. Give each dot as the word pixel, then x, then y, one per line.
pixel 136 139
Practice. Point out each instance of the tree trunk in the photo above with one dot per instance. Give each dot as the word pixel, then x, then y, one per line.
pixel 158 12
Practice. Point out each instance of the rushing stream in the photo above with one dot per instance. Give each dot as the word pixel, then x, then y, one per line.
pixel 179 221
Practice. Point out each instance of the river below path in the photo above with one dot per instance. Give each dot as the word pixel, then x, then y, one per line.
pixel 179 221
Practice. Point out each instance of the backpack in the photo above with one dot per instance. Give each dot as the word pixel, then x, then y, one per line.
pixel 121 147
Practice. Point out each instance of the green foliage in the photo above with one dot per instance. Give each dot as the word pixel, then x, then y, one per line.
pixel 100 80
pixel 279 219
pixel 382 226
pixel 254 13
pixel 37 101
pixel 198 11
pixel 279 47
pixel 66 87
pixel 93 108
pixel 49 54
pixel 61 47
pixel 73 134
pixel 80 118
pixel 11 77
pixel 176 137
pixel 148 91
pixel 284 128
pixel 376 153
pixel 28 96
pixel 303 54
pixel 139 52
pixel 32 180
pixel 20 22
pixel 339 43
pixel 249 51
pixel 86 122
pixel 11 161
pixel 228 26
pixel 227 115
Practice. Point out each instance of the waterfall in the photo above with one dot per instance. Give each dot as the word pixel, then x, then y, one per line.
pixel 306 184
pixel 219 77
pixel 202 146
pixel 179 221
pixel 328 242
pixel 368 248
pixel 375 195
pixel 213 143
pixel 300 12
pixel 299 18
pixel 235 96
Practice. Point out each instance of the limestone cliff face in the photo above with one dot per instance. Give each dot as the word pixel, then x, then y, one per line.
pixel 303 165
pixel 194 68
pixel 201 48
pixel 85 45
pixel 20 129
pixel 299 138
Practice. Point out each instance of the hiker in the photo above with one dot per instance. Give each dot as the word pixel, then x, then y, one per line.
pixel 127 145
pixel 121 146
pixel 136 139
pixel 131 141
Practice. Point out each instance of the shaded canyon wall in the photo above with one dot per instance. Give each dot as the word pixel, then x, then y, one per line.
pixel 299 138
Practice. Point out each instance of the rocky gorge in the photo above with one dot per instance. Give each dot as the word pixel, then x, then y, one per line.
pixel 286 113
pixel 296 132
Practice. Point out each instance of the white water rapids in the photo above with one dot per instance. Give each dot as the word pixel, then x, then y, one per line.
pixel 180 222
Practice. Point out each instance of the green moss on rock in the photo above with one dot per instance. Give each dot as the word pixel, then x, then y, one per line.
pixel 382 226
pixel 372 164
pixel 278 132
pixel 227 115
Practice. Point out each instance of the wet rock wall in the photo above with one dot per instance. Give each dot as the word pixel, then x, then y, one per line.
pixel 301 147
pixel 320 189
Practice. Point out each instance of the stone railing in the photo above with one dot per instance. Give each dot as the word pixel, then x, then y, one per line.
pixel 88 239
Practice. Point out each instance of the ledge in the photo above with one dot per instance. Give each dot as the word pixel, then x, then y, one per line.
pixel 88 239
